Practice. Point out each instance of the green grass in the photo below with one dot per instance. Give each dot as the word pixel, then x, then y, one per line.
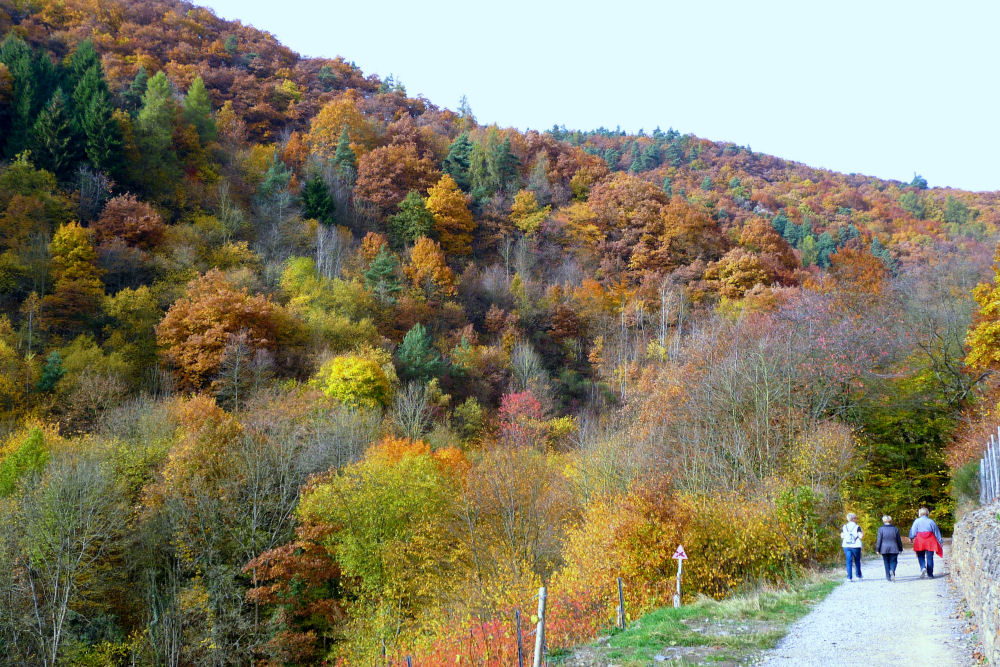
pixel 731 630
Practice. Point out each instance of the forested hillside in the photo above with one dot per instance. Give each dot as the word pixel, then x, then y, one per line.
pixel 297 369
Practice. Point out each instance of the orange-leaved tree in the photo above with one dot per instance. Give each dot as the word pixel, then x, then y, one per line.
pixel 194 333
pixel 387 174
pixel 428 270
pixel 453 222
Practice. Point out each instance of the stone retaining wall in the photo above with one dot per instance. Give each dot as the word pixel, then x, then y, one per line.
pixel 976 566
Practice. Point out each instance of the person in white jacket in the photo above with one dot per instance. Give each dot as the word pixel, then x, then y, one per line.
pixel 850 539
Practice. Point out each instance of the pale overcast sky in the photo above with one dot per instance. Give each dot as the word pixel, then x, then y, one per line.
pixel 884 88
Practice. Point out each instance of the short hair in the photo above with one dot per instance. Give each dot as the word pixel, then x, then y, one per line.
pixel 851 516
pixel 923 512
pixel 886 519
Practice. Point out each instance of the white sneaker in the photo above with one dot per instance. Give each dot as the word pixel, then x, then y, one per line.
pixel 923 573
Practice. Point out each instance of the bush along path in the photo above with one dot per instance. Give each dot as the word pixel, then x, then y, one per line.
pixel 817 620
pixel 873 622
pixel 731 631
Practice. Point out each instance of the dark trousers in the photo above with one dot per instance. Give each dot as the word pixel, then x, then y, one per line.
pixel 889 560
pixel 929 555
pixel 853 555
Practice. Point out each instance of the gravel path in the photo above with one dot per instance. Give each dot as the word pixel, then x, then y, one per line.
pixel 876 622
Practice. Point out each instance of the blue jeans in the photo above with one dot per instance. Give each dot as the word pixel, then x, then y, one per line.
pixel 930 560
pixel 889 560
pixel 853 554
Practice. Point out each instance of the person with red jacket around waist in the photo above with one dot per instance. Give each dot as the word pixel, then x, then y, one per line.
pixel 927 541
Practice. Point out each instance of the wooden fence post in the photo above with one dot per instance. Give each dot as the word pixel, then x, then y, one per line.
pixel 621 605
pixel 520 646
pixel 540 630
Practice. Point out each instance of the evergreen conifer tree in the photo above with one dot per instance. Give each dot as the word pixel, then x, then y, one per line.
pixel 52 137
pixel 418 360
pixel 198 111
pixel 132 97
pixel 104 145
pixel 456 163
pixel 344 157
pixel 317 203
pixel 382 276
pixel 825 246
pixel 504 168
pixel 16 122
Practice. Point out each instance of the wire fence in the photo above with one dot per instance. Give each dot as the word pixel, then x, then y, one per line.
pixel 989 471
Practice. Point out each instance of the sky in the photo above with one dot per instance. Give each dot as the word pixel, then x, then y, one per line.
pixel 881 87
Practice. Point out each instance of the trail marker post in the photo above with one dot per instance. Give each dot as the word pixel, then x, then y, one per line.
pixel 621 605
pixel 680 557
pixel 540 630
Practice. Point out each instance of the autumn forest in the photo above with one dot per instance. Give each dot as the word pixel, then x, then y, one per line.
pixel 298 369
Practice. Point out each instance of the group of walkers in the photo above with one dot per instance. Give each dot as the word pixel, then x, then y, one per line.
pixel 924 532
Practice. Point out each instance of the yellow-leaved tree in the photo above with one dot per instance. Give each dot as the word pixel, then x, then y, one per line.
pixel 361 379
pixel 428 271
pixel 526 214
pixel 983 339
pixel 453 222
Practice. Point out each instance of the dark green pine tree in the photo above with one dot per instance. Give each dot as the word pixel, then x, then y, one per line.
pixel 132 96
pixel 650 157
pixel 52 137
pixel 16 117
pixel 635 158
pixel 88 86
pixel 672 155
pixel 104 144
pixel 98 135
pixel 317 203
pixel 668 188
pixel 880 251
pixel 83 60
pixel 412 221
pixel 611 157
pixel 45 78
pixel 825 247
pixel 382 277
pixel 52 372
pixel 416 356
pixel 456 163
pixel 276 179
pixel 344 157
pixel 198 111
pixel 504 168
pixel 792 233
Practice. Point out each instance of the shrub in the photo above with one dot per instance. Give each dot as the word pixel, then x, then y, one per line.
pixel 965 483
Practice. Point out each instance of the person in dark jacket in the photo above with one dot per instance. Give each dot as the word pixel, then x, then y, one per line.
pixel 889 543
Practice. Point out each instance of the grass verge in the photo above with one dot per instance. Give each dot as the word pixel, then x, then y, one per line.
pixel 734 630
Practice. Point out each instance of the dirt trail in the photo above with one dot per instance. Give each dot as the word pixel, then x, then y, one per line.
pixel 876 622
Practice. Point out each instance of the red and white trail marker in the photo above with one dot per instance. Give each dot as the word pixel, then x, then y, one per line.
pixel 680 556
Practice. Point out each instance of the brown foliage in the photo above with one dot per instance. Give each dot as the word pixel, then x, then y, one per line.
pixel 195 331
pixel 300 579
pixel 387 174
pixel 136 223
